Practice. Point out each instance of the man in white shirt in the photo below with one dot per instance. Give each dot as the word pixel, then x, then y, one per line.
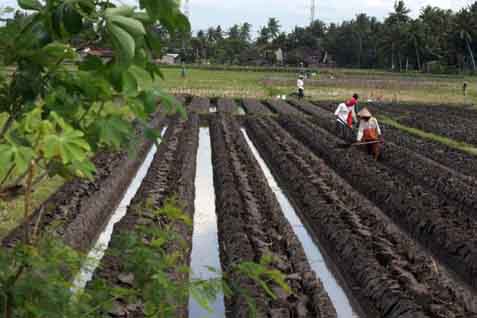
pixel 300 83
pixel 346 116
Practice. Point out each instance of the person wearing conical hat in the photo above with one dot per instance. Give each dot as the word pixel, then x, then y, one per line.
pixel 369 131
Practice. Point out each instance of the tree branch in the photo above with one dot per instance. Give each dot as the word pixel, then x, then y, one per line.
pixel 31 173
pixel 7 175
pixel 6 126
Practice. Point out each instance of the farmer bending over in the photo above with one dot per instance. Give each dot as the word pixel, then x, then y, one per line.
pixel 346 116
pixel 369 131
pixel 300 83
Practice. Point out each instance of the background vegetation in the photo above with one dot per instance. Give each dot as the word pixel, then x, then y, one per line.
pixel 438 40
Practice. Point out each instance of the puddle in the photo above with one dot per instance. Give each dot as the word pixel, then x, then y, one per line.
pixel 205 243
pixel 312 251
pixel 96 254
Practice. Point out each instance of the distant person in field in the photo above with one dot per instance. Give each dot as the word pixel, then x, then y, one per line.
pixel 346 116
pixel 369 131
pixel 464 89
pixel 300 83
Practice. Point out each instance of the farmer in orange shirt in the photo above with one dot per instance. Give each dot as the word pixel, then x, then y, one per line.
pixel 369 131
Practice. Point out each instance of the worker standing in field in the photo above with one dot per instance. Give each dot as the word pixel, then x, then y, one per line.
pixel 300 83
pixel 369 132
pixel 352 104
pixel 346 116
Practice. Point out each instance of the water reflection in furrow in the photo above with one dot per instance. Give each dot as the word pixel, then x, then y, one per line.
pixel 336 293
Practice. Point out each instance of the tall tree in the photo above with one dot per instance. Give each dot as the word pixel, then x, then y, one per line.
pixel 245 31
pixel 273 27
pixel 397 25
pixel 466 21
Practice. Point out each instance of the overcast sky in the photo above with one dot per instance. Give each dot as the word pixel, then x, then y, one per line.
pixel 205 13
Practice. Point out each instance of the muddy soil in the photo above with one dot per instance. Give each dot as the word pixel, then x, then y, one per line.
pixel 199 105
pixel 78 210
pixel 309 108
pixel 252 225
pixel 445 123
pixel 423 170
pixel 459 161
pixel 255 107
pixel 171 174
pixel 446 229
pixel 389 274
pixel 282 107
pixel 227 105
pixel 453 128
pixel 462 112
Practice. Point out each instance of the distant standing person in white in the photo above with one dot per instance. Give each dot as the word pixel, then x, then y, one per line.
pixel 300 83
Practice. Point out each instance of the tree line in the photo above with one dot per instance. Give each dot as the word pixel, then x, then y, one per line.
pixel 438 40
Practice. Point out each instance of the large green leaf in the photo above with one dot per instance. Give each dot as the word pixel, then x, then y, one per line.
pixel 93 85
pixel 124 41
pixel 91 63
pixel 30 4
pixel 157 9
pixel 72 20
pixel 150 100
pixel 53 53
pixel 143 78
pixel 129 84
pixel 126 11
pixel 132 26
pixel 143 17
pixel 63 103
pixel 68 146
pixel 113 131
pixel 83 169
pixel 18 155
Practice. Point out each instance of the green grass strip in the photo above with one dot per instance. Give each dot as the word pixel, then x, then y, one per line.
pixel 459 145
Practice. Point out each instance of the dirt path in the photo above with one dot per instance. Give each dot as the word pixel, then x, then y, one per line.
pixel 389 274
pixel 252 225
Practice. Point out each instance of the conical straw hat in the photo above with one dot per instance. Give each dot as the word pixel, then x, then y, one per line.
pixel 364 113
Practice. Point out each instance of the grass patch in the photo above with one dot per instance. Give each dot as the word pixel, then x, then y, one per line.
pixel 240 84
pixel 459 145
pixel 11 213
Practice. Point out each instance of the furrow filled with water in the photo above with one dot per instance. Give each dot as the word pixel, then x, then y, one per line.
pixel 253 229
pixel 97 252
pixel 156 226
pixel 205 245
pixel 315 258
pixel 384 270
